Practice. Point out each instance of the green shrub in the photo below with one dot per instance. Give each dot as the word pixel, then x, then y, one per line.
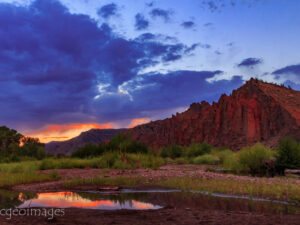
pixel 124 143
pixel 197 149
pixel 207 159
pixel 180 160
pixel 108 159
pixel 288 154
pixel 254 159
pixel 89 150
pixel 223 154
pixel 47 164
pixel 231 162
pixel 173 151
pixel 121 143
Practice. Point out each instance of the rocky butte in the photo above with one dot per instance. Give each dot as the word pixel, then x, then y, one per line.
pixel 256 112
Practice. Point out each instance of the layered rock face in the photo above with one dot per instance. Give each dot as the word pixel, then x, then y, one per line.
pixel 256 112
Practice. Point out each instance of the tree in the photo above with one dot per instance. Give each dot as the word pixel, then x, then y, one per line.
pixel 32 147
pixel 9 140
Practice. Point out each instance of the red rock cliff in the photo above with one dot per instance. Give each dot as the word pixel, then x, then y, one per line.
pixel 256 112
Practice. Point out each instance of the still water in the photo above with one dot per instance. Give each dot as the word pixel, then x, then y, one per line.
pixel 88 201
pixel 140 200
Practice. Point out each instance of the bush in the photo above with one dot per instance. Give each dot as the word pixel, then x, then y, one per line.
pixel 198 149
pixel 124 143
pixel 173 151
pixel 108 159
pixel 231 162
pixel 223 155
pixel 288 155
pixel 120 143
pixel 89 150
pixel 207 159
pixel 180 160
pixel 254 159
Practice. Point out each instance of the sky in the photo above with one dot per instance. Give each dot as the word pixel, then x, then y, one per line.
pixel 67 66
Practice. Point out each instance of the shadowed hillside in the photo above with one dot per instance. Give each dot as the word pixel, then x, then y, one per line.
pixel 93 136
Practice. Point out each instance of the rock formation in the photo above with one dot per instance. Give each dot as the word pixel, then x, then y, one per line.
pixel 256 112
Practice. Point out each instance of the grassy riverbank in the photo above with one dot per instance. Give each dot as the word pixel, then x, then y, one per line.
pixel 283 189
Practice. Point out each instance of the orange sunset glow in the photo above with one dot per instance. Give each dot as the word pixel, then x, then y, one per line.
pixel 68 199
pixel 55 132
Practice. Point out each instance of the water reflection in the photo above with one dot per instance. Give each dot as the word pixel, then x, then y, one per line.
pixel 83 200
pixel 12 199
pixel 209 202
pixel 140 200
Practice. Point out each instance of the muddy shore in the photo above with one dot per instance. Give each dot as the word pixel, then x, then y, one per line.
pixel 161 216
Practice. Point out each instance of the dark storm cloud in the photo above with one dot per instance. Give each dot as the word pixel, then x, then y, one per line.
pixel 107 10
pixel 140 22
pixel 155 91
pixel 51 63
pixel 157 12
pixel 188 24
pixel 250 62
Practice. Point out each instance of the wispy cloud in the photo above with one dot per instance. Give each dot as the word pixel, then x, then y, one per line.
pixel 108 10
pixel 188 24
pixel 140 22
pixel 250 62
pixel 164 14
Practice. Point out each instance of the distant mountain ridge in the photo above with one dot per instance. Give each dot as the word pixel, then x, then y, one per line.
pixel 255 112
pixel 93 136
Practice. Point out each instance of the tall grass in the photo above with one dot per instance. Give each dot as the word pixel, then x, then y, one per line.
pixel 20 167
pixel 111 160
pixel 282 190
pixel 68 163
pixel 10 179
